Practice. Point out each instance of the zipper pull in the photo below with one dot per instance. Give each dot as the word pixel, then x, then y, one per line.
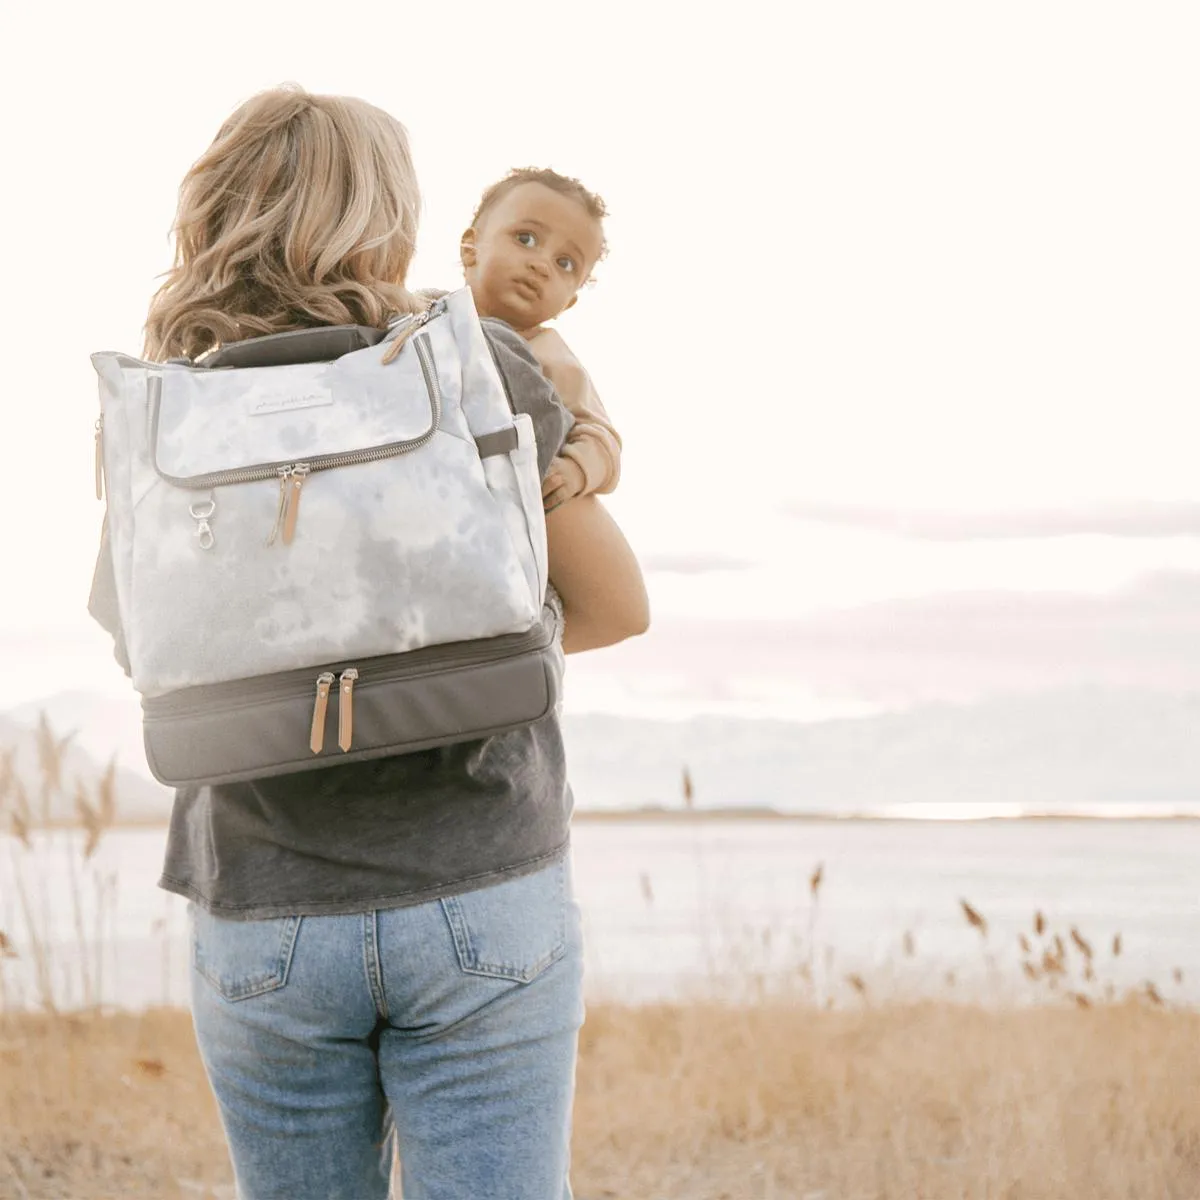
pixel 285 474
pixel 99 458
pixel 397 343
pixel 346 709
pixel 292 507
pixel 316 739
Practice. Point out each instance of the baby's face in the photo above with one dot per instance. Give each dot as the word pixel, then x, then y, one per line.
pixel 530 254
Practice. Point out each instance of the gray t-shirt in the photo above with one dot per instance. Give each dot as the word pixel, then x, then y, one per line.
pixel 393 831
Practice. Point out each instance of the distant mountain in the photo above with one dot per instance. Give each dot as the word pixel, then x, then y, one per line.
pixel 1071 750
pixel 103 725
pixel 1060 751
pixel 139 798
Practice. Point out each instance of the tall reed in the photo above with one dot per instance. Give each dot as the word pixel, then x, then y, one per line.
pixel 30 912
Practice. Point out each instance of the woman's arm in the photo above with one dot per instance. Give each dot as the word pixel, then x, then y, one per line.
pixel 597 576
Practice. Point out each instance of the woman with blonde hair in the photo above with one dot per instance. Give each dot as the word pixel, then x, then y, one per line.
pixel 394 943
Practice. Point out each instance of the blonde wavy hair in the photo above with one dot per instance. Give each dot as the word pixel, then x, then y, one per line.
pixel 302 212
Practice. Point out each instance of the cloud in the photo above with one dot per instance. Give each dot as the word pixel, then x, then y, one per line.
pixel 699 563
pixel 1131 519
pixel 957 646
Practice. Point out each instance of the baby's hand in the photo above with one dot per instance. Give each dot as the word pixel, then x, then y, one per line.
pixel 563 482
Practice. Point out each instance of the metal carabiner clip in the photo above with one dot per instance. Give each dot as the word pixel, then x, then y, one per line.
pixel 202 513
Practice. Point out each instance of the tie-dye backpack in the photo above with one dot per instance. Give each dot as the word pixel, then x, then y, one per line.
pixel 311 523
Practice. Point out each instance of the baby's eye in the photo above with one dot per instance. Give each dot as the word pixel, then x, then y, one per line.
pixel 567 264
pixel 526 238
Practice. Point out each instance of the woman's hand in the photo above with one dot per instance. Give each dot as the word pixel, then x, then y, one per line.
pixel 595 572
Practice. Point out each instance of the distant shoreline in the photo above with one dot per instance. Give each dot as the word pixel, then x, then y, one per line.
pixel 680 816
pixel 685 816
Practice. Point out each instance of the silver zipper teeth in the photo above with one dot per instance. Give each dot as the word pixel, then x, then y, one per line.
pixel 300 681
pixel 327 462
pixel 354 458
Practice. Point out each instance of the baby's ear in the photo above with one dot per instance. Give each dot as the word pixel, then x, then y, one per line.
pixel 466 248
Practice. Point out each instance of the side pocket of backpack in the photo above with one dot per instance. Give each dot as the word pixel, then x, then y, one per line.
pixel 119 378
pixel 515 483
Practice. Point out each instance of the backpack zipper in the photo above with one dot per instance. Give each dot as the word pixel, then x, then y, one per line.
pixel 293 474
pixel 346 681
pixel 406 664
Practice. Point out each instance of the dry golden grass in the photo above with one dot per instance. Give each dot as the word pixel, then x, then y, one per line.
pixel 926 1101
pixel 1083 1098
pixel 696 1102
pixel 106 1107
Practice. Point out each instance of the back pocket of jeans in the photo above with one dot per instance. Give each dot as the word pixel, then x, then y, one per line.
pixel 513 930
pixel 243 958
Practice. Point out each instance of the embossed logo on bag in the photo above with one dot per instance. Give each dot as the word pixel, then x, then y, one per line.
pixel 265 405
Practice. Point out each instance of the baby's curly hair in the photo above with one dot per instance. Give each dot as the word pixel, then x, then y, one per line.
pixel 563 184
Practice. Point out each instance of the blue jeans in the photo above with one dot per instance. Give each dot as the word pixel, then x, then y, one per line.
pixel 456 1020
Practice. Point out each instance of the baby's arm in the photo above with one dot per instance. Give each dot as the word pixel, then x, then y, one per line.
pixel 591 459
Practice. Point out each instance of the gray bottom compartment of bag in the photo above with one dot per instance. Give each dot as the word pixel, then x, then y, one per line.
pixel 399 716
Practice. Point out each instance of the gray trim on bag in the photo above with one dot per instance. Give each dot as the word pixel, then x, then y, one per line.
pixel 503 441
pixel 323 343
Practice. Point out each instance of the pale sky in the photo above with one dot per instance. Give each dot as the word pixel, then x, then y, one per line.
pixel 866 258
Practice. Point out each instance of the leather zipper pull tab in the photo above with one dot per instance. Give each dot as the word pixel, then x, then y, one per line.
pixel 285 474
pixel 291 509
pixel 316 740
pixel 415 323
pixel 346 709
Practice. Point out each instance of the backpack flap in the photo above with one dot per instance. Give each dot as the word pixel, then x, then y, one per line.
pixel 209 425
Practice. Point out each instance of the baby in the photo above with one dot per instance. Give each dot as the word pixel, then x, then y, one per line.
pixel 532 244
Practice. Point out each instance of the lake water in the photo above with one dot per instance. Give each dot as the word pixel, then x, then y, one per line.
pixel 717 906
